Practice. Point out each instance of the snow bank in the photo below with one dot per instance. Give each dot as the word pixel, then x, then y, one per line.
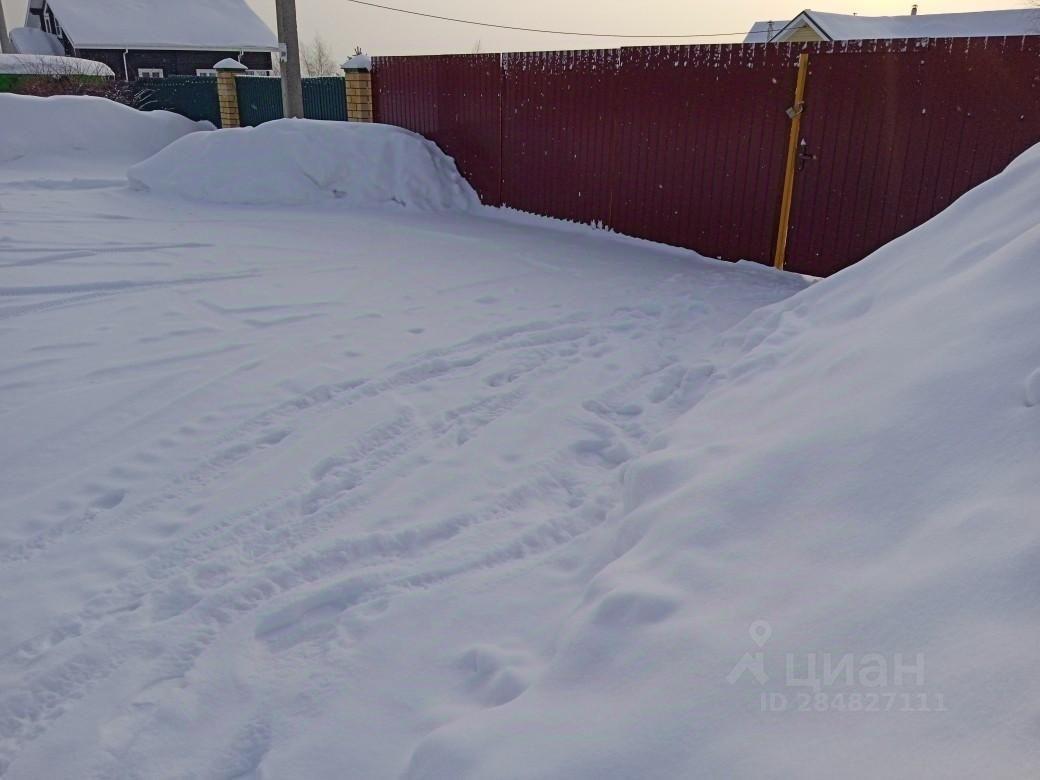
pixel 298 161
pixel 44 64
pixel 859 487
pixel 90 128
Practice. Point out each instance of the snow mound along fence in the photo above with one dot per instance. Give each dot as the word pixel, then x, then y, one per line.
pixel 86 127
pixel 46 64
pixel 295 161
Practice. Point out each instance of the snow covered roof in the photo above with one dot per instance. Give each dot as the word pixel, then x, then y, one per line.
pixel 47 65
pixel 844 27
pixel 160 24
pixel 33 40
pixel 763 32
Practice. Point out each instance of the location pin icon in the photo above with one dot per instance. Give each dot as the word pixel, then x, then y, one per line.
pixel 760 632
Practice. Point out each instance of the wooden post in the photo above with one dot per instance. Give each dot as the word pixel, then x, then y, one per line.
pixel 795 112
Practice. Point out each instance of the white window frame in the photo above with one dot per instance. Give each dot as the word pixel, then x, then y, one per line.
pixel 151 73
pixel 205 72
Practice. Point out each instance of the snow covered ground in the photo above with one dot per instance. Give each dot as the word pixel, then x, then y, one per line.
pixel 331 491
pixel 284 489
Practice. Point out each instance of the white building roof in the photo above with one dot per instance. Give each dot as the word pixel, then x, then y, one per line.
pixel 33 40
pixel 763 32
pixel 160 24
pixel 845 27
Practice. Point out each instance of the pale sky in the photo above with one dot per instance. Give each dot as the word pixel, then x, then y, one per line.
pixel 345 25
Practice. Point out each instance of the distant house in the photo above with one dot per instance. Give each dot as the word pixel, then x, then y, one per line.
pixel 148 38
pixel 822 26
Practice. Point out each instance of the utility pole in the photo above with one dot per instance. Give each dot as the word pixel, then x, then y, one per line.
pixel 5 42
pixel 289 37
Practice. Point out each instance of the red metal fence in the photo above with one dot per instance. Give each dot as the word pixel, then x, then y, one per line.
pixel 687 144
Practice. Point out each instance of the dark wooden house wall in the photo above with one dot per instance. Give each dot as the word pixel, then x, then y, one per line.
pixel 173 63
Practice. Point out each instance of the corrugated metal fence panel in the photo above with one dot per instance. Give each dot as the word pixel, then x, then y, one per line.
pixel 687 145
pixel 404 92
pixel 455 101
pixel 899 130
pixel 469 116
pixel 702 133
pixel 559 133
pixel 259 99
pixel 192 96
pixel 324 98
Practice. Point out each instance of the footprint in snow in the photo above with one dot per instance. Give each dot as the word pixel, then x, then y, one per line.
pixel 494 676
pixel 1033 389
pixel 109 499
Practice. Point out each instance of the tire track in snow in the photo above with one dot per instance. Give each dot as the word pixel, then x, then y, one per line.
pixel 322 399
pixel 320 508
pixel 263 537
pixel 93 291
pixel 28 711
pixel 422 369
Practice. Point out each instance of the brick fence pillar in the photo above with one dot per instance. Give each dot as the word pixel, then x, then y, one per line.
pixel 227 91
pixel 358 72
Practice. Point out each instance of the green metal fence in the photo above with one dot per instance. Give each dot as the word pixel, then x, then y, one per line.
pixel 193 96
pixel 325 98
pixel 259 99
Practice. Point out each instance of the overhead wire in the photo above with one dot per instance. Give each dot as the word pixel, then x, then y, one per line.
pixel 517 28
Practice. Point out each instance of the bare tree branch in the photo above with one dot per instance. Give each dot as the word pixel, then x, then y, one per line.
pixel 317 58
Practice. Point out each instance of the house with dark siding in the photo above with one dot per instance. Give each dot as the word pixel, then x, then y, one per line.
pixel 150 38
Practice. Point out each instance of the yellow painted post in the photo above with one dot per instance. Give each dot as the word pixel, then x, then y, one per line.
pixel 795 113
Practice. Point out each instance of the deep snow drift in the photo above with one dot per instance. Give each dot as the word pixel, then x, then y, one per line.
pixel 326 492
pixel 90 128
pixel 294 161
pixel 861 482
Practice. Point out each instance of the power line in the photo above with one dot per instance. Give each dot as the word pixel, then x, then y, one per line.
pixel 534 29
